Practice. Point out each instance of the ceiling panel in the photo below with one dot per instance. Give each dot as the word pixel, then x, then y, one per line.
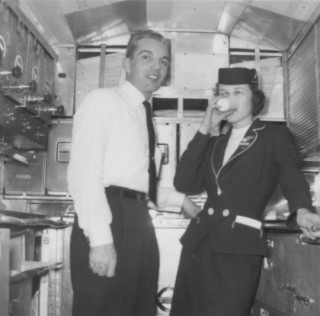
pixel 267 23
pixel 300 10
pixel 184 15
pixel 99 24
pixel 48 17
pixel 266 27
pixel 70 6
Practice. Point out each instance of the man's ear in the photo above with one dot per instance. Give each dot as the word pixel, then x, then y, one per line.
pixel 127 65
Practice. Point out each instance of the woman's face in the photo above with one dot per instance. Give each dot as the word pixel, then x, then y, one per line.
pixel 240 97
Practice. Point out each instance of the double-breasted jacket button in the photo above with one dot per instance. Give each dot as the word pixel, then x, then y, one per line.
pixel 210 211
pixel 225 212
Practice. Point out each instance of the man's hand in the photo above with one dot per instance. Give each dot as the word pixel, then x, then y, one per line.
pixel 103 260
pixel 309 223
pixel 189 208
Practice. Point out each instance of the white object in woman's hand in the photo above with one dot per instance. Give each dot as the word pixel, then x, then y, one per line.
pixel 223 105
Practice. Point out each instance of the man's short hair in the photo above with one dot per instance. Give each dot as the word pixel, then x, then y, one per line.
pixel 141 34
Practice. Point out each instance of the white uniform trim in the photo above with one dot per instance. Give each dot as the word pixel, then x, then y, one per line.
pixel 248 221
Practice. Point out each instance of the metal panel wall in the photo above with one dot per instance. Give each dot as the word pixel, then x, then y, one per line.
pixel 303 94
pixel 187 132
pixel 26 179
pixel 168 232
pixel 58 156
pixel 167 142
pixel 64 79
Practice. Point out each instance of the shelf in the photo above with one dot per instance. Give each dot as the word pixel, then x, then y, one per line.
pixel 19 219
pixel 30 269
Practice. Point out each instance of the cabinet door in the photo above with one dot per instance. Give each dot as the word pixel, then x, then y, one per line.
pixel 305 264
pixel 275 274
pixel 290 276
pixel 58 156
pixel 4 271
pixel 187 132
pixel 167 142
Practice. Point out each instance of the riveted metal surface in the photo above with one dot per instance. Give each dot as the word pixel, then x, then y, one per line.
pixel 303 92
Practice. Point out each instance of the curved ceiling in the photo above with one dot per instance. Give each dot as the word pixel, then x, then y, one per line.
pixel 89 22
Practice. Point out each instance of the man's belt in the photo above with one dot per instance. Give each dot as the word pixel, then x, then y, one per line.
pixel 127 193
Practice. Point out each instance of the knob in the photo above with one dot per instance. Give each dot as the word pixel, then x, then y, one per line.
pixel 32 86
pixel 59 110
pixel 54 111
pixel 47 98
pixel 16 72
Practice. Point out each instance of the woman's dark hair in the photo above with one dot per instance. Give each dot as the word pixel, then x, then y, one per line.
pixel 258 99
pixel 141 34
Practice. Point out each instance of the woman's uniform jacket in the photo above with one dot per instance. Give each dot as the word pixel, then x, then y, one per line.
pixel 241 187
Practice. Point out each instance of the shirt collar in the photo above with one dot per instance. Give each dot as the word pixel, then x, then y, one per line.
pixel 133 93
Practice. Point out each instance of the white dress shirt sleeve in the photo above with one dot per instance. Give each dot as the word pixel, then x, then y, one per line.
pixel 169 199
pixel 91 130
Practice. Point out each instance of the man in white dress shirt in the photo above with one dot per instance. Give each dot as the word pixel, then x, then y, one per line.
pixel 114 252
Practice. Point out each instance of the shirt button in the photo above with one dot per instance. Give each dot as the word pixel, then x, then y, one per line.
pixel 210 211
pixel 226 212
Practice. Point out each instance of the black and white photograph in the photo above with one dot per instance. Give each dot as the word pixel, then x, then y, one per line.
pixel 159 158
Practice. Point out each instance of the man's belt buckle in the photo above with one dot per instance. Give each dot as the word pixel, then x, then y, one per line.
pixel 127 193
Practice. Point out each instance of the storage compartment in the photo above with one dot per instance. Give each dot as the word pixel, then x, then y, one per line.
pixel 58 156
pixel 26 179
pixel 167 142
pixel 30 258
pixel 290 276
pixel 169 228
pixel 187 132
pixel 165 106
pixel 194 107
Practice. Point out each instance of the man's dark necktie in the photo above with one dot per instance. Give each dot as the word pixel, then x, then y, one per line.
pixel 152 165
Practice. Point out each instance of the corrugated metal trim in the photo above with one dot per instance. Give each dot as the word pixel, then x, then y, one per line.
pixel 31 28
pixel 82 4
pixel 302 95
pixel 317 38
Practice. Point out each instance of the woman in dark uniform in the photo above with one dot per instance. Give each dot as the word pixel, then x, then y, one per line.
pixel 224 244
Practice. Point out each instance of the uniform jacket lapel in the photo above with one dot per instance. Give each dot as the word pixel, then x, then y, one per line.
pixel 249 139
pixel 218 152
pixel 247 142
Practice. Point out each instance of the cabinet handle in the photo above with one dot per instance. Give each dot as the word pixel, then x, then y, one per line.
pixel 303 299
pixel 287 287
pixel 268 259
pixel 305 240
pixel 297 296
